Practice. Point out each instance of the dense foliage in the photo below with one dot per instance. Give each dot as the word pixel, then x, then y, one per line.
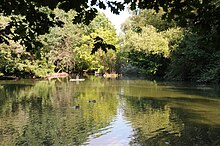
pixel 148 43
pixel 35 21
pixel 196 58
pixel 172 39
pixel 66 48
pixel 155 47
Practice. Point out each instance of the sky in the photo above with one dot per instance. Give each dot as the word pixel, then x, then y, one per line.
pixel 116 20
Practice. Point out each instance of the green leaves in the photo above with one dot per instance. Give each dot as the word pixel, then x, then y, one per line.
pixel 147 63
pixel 102 5
pixel 93 2
pixel 15 61
pixel 85 16
pixel 195 59
pixel 74 47
pixel 148 43
pixel 115 6
pixel 202 16
pixel 100 44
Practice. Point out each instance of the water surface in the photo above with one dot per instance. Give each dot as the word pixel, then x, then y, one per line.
pixel 126 112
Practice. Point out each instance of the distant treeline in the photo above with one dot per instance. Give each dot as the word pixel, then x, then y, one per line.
pixel 150 46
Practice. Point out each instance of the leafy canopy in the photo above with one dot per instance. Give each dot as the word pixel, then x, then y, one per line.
pixel 37 16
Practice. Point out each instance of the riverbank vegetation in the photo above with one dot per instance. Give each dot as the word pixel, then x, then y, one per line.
pixel 154 43
pixel 68 49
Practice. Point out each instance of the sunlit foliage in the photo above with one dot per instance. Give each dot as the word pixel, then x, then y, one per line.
pixel 148 42
pixel 68 48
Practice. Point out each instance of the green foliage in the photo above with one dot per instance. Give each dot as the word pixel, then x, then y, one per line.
pixel 38 19
pixel 146 18
pixel 64 49
pixel 100 35
pixel 152 43
pixel 149 50
pixel 148 63
pixel 99 43
pixel 174 37
pixel 195 59
pixel 203 16
pixel 70 47
pixel 59 43
pixel 67 47
pixel 15 61
pixel 149 41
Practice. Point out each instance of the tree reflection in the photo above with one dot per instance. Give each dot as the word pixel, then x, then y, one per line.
pixel 155 122
pixel 44 114
pixel 150 117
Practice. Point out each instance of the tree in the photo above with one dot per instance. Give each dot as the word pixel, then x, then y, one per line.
pixel 148 42
pixel 37 17
pixel 195 58
pixel 60 43
pixel 71 48
pixel 100 32
pixel 147 17
pixel 203 15
pixel 147 50
pixel 15 61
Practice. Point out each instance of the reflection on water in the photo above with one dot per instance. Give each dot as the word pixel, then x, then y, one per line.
pixel 119 132
pixel 126 112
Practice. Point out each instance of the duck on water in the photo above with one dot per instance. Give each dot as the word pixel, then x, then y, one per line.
pixel 92 100
pixel 76 107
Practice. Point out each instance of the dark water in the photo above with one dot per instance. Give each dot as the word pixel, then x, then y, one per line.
pixel 125 112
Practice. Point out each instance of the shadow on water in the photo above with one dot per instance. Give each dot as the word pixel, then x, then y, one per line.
pixel 166 122
pixel 197 89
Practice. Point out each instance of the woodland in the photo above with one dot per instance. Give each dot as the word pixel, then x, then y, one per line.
pixel 169 39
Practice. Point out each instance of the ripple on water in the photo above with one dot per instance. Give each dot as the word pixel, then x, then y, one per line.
pixel 118 133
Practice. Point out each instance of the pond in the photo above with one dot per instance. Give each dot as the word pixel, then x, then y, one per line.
pixel 99 112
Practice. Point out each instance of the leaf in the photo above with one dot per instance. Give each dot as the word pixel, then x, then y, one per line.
pixel 93 2
pixel 102 5
pixel 100 44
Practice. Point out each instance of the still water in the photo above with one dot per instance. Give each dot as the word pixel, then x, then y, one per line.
pixel 121 113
